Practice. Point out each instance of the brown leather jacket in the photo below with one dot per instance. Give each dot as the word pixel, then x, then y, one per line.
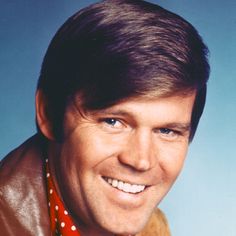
pixel 23 203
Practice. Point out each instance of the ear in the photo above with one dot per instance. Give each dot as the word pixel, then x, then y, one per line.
pixel 42 115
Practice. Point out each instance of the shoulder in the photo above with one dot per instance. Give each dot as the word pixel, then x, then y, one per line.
pixel 21 162
pixel 157 225
pixel 22 154
pixel 23 201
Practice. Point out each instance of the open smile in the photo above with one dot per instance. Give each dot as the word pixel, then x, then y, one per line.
pixel 124 186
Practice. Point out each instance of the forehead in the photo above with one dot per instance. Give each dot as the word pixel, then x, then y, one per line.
pixel 143 101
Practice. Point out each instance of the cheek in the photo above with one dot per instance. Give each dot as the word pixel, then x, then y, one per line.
pixel 88 149
pixel 171 160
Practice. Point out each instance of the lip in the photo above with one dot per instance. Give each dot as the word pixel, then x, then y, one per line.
pixel 123 199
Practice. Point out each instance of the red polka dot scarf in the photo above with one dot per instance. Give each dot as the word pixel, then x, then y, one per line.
pixel 61 221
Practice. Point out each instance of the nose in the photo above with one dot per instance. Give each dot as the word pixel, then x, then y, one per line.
pixel 139 152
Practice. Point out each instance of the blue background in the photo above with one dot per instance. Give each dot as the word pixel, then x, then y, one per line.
pixel 202 202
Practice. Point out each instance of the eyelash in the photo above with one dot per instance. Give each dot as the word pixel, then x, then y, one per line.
pixel 166 130
pixel 169 132
pixel 111 122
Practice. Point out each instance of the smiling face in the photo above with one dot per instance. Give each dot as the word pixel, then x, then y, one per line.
pixel 115 165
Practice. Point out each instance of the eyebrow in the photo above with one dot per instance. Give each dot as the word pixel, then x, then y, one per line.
pixel 108 111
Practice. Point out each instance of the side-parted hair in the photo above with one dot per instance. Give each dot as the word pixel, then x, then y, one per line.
pixel 118 49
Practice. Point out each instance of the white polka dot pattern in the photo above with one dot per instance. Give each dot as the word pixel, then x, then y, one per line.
pixel 61 221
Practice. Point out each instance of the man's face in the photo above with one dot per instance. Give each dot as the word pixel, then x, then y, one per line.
pixel 115 165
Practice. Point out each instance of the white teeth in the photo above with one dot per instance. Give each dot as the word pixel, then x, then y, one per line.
pixel 126 187
pixel 120 185
pixel 114 183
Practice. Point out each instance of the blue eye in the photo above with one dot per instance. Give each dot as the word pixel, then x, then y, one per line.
pixel 168 133
pixel 110 121
pixel 165 131
pixel 113 124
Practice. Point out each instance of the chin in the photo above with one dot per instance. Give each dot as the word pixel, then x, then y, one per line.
pixel 126 226
pixel 127 230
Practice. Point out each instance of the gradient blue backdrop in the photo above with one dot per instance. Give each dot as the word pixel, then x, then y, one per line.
pixel 203 200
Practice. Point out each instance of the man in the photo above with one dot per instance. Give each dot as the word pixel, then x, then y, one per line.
pixel 120 94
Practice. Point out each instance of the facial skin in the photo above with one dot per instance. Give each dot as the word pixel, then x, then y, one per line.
pixel 140 142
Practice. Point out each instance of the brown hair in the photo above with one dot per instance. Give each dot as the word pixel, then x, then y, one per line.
pixel 117 49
